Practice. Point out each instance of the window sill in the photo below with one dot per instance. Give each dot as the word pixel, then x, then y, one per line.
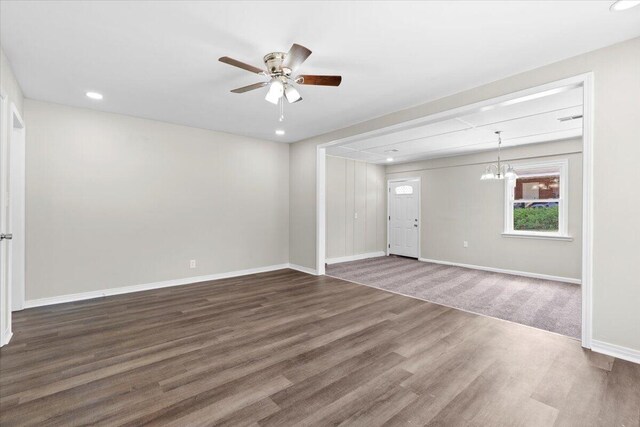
pixel 539 236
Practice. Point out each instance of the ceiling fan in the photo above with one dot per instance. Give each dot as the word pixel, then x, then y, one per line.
pixel 280 68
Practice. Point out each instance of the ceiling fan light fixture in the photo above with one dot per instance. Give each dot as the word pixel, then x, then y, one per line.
pixel 276 90
pixel 292 94
pixel 280 68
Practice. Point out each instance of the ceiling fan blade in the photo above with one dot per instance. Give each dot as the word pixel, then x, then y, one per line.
pixel 250 87
pixel 307 79
pixel 242 65
pixel 295 57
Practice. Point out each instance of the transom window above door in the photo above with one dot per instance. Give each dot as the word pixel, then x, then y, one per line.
pixel 536 201
pixel 404 189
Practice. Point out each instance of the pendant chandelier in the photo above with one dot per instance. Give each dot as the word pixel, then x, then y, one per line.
pixel 499 170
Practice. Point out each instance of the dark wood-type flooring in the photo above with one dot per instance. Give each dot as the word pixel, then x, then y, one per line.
pixel 289 349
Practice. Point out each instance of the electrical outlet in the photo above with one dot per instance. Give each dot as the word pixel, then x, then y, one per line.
pixel 465 244
pixel 192 263
pixel 355 215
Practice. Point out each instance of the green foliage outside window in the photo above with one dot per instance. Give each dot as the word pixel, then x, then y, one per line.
pixel 536 219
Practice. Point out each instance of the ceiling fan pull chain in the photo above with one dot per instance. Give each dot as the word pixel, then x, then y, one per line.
pixel 281 107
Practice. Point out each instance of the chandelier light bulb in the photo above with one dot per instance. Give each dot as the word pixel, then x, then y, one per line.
pixel 510 173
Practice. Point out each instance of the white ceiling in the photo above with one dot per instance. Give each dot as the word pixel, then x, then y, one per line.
pixel 526 122
pixel 158 59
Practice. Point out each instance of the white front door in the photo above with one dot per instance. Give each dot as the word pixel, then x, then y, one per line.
pixel 404 203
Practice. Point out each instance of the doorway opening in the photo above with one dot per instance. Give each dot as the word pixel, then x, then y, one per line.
pixel 574 130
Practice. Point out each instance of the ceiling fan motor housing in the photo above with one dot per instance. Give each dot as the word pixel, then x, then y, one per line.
pixel 274 61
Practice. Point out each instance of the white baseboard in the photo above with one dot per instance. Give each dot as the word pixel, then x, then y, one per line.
pixel 354 257
pixel 6 337
pixel 513 272
pixel 303 269
pixel 597 346
pixel 620 352
pixel 147 286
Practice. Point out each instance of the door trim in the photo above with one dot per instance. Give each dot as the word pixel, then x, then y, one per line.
pixel 411 179
pixel 16 123
pixel 5 309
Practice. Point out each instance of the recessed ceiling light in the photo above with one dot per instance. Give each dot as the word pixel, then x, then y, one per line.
pixel 94 95
pixel 623 5
pixel 279 132
pixel 389 159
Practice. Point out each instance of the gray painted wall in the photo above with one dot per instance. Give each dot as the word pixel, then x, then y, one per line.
pixel 115 201
pixel 355 187
pixel 616 69
pixel 456 207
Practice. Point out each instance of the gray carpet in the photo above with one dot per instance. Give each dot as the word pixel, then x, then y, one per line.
pixel 543 304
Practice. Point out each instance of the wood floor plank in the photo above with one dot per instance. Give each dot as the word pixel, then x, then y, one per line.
pixel 622 388
pixel 286 348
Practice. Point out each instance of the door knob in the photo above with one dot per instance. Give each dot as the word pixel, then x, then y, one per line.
pixel 7 236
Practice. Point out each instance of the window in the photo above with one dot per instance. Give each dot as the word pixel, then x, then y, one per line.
pixel 536 200
pixel 404 189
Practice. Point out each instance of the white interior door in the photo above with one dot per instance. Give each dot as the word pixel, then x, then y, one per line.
pixel 404 218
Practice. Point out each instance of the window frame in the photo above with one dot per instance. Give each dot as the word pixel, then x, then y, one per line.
pixel 563 215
